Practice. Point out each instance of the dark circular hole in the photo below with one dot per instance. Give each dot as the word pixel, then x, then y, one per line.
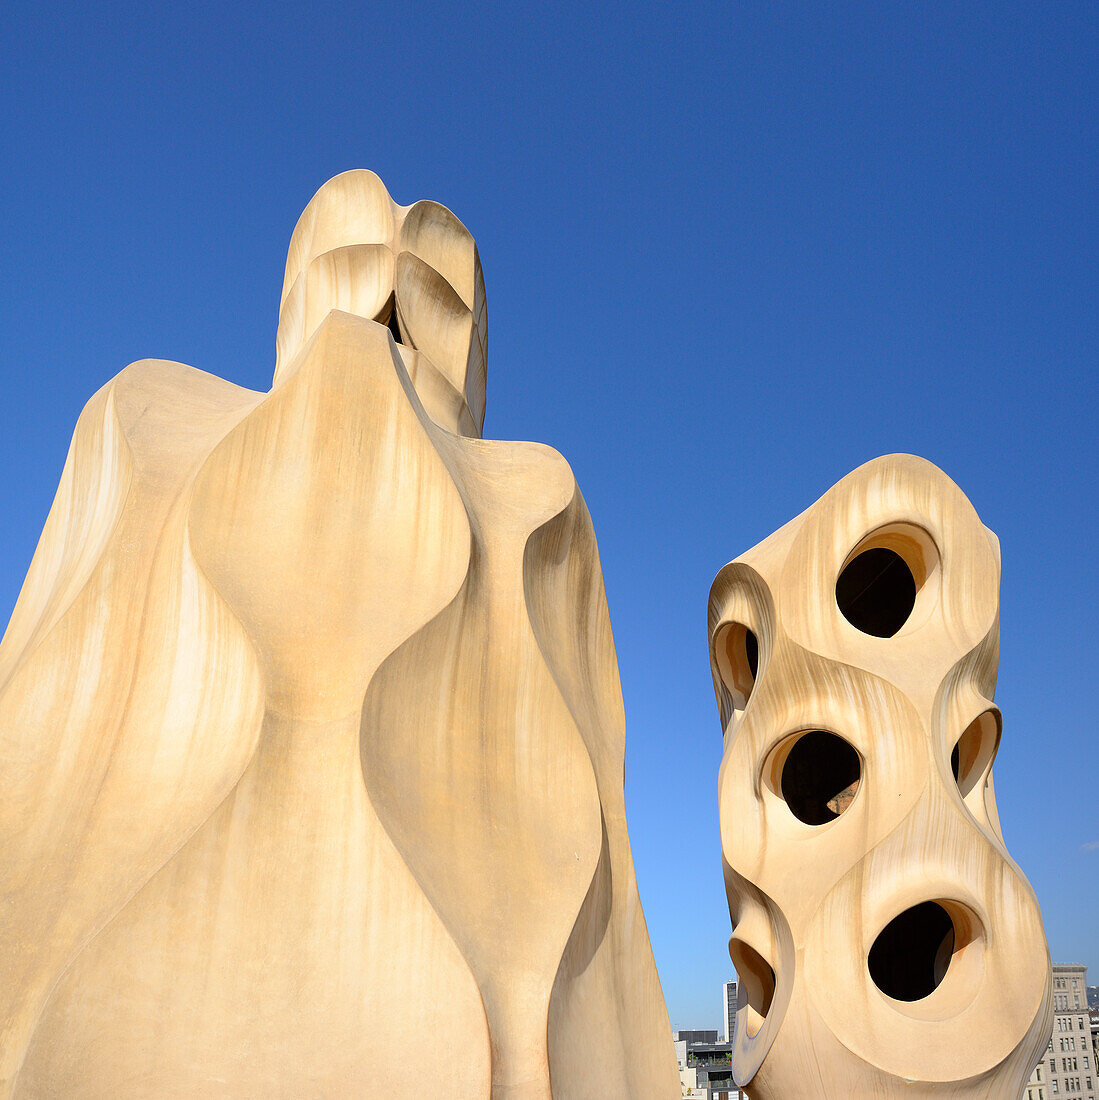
pixel 820 777
pixel 911 954
pixel 876 592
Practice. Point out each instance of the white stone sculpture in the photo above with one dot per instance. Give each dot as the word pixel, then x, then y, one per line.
pixel 311 735
pixel 886 943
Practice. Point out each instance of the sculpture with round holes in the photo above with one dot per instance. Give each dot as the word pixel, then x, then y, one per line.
pixel 886 943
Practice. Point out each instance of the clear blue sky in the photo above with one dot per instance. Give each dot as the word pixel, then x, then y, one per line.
pixel 731 252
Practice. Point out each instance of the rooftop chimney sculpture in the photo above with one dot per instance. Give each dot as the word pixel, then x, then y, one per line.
pixel 886 945
pixel 311 735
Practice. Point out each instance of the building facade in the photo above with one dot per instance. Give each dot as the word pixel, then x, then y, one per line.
pixel 728 1006
pixel 705 1066
pixel 1067 1071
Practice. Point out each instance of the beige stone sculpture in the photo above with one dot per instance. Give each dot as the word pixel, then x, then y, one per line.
pixel 311 736
pixel 886 944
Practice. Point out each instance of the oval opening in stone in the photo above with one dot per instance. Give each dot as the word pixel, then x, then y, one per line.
pixel 756 985
pixel 912 953
pixel 820 776
pixel 975 750
pixel 876 592
pixel 738 662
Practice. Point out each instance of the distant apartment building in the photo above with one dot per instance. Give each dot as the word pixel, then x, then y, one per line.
pixel 705 1063
pixel 1067 1071
pixel 705 1066
pixel 728 1007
